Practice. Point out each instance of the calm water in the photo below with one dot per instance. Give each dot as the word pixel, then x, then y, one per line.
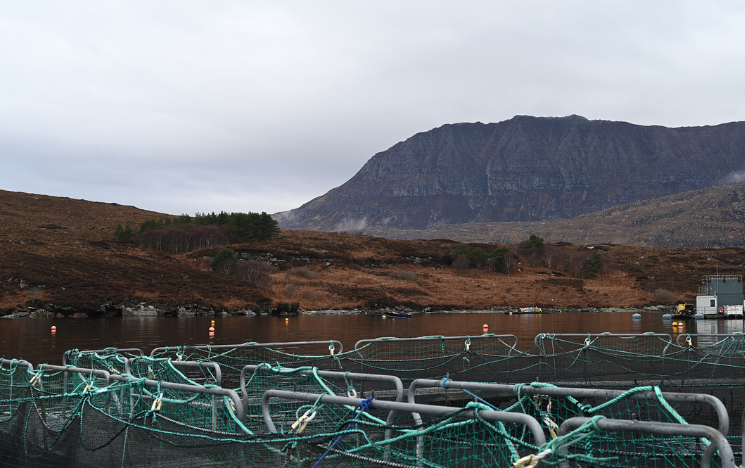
pixel 32 340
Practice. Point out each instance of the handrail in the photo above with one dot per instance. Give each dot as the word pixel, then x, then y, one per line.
pixel 217 391
pixel 18 362
pixel 645 427
pixel 541 336
pixel 503 416
pixel 207 364
pixel 684 336
pixel 675 397
pixel 78 370
pixel 105 350
pixel 513 347
pixel 334 375
pixel 254 344
pixel 329 374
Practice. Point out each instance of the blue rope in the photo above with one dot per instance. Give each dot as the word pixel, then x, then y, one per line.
pixel 446 380
pixel 358 410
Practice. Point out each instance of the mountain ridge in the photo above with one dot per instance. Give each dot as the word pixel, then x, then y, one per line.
pixel 523 169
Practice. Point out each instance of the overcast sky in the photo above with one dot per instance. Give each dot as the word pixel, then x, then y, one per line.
pixel 184 106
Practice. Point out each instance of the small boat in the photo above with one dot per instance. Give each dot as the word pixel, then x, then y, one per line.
pixel 528 310
pixel 396 314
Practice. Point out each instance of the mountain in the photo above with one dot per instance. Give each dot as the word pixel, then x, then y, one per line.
pixel 524 169
pixel 706 218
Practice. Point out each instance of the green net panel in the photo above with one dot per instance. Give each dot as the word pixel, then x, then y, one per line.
pixel 111 360
pixel 233 358
pixel 553 406
pixel 188 372
pixel 468 357
pixel 256 380
pixel 65 416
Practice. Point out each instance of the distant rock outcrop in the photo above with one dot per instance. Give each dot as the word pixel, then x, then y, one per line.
pixel 524 169
pixel 713 217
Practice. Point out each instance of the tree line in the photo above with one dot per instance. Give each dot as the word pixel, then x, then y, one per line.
pixel 185 233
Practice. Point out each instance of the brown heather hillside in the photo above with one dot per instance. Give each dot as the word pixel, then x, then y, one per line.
pixel 60 254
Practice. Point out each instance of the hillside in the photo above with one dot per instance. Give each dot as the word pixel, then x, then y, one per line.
pixel 58 255
pixel 523 169
pixel 711 217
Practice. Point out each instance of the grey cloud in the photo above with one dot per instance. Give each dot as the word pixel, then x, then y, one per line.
pixel 262 106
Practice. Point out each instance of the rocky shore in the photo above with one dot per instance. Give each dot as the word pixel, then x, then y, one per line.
pixel 143 309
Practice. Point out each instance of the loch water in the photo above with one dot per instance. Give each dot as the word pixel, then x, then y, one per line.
pixel 32 339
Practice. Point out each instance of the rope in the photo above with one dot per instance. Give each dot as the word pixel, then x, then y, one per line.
pixel 358 410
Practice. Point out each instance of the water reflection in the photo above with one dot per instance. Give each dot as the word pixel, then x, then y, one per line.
pixel 33 341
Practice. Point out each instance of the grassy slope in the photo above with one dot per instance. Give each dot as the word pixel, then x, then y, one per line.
pixel 62 251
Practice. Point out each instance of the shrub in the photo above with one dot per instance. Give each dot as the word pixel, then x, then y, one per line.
pixel 404 275
pixel 225 261
pixel 461 264
pixel 122 234
pixel 664 295
pixel 462 249
pixel 477 257
pixel 498 255
pixel 255 272
pixel 305 273
pixel 591 266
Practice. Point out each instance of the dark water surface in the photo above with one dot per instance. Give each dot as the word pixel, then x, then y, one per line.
pixel 32 340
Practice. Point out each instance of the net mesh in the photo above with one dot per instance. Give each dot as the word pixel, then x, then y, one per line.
pixel 78 418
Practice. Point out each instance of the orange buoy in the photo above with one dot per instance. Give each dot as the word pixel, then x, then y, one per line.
pixel 212 329
pixel 486 327
pixel 54 329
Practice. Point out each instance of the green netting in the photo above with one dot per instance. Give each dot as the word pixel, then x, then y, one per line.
pixel 646 403
pixel 194 427
pixel 111 360
pixel 119 426
pixel 187 372
pixel 232 359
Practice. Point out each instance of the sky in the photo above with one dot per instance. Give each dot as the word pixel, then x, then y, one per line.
pixel 183 106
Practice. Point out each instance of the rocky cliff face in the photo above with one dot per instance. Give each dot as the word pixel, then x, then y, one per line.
pixel 524 169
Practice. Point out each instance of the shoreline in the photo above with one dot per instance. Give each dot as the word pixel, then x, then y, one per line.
pixel 193 310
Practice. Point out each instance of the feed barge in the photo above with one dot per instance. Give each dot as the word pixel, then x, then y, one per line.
pixel 720 296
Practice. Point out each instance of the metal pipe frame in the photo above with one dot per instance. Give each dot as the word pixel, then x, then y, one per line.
pixel 718 440
pixel 206 364
pixel 502 416
pixel 78 370
pixel 682 336
pixel 335 375
pixel 742 436
pixel 18 362
pixel 337 345
pixel 105 350
pixel 541 336
pixel 674 397
pixel 485 336
pixel 332 375
pixel 216 391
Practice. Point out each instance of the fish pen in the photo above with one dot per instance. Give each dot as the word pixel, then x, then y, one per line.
pixel 570 400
